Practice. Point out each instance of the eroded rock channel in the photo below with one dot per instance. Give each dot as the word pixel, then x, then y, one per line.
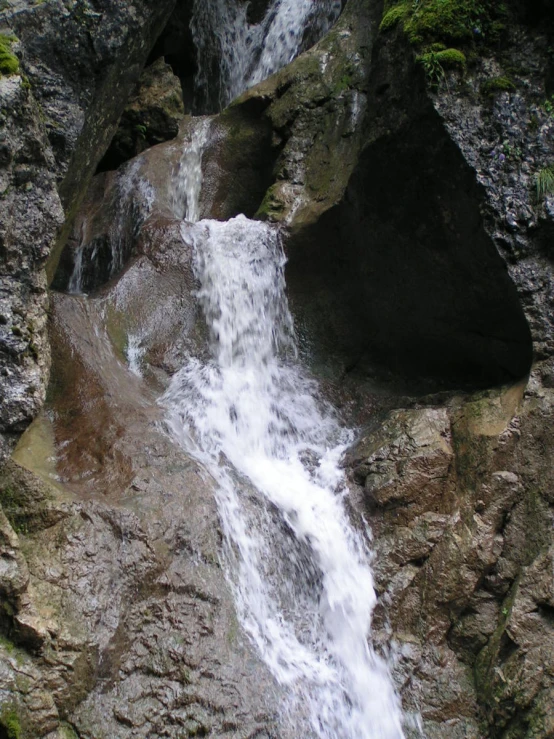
pixel 287 403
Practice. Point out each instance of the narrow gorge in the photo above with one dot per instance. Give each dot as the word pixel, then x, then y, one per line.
pixel 277 358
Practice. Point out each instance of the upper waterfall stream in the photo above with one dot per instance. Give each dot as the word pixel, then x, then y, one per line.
pixel 246 53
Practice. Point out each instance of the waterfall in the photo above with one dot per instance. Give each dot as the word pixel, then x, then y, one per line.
pixel 94 262
pixel 187 181
pixel 234 54
pixel 300 571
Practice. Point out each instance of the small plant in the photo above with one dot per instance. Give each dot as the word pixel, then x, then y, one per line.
pixel 544 182
pixel 511 151
pixel 548 105
pixel 432 67
pixel 435 62
pixel 533 123
pixel 140 129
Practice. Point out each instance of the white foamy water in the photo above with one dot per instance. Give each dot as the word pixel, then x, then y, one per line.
pixel 301 574
pixel 187 181
pixel 246 53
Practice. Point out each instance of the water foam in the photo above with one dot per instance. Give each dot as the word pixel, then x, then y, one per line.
pixel 301 574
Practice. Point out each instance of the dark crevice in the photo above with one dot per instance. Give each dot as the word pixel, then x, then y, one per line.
pixel 546 612
pixel 176 46
pixel 507 648
pixel 402 277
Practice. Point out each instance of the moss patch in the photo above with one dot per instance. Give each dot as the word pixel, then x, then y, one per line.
pixel 497 84
pixel 11 723
pixel 9 63
pixel 436 25
pixel 449 21
pixel 272 206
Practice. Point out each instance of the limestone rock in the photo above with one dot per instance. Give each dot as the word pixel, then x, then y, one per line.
pixel 80 61
pixel 14 574
pixel 151 117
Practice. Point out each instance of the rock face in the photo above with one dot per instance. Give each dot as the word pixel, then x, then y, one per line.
pixel 121 603
pixel 463 529
pixel 80 62
pixel 30 213
pixel 151 117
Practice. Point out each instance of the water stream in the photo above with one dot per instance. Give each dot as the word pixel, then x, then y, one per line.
pixel 234 54
pixel 257 423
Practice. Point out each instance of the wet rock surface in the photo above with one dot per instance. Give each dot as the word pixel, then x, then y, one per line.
pixel 29 215
pixel 462 525
pixel 77 64
pixel 122 621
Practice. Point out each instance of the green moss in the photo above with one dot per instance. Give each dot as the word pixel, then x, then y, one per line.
pixel 271 208
pixel 450 22
pixel 393 16
pixel 68 732
pixel 484 670
pixel 497 84
pixel 344 83
pixel 8 645
pixel 11 723
pixel 9 63
pixel 451 58
pixel 435 62
pixel 11 504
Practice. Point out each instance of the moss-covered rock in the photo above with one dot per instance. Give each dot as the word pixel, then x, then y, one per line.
pixel 496 85
pixel 9 63
pixel 449 21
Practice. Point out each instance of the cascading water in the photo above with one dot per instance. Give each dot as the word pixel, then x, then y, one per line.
pixel 187 182
pixel 255 420
pixel 134 202
pixel 234 54
pixel 303 584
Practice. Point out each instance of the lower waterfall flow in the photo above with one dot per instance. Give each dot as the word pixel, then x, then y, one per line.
pixel 254 419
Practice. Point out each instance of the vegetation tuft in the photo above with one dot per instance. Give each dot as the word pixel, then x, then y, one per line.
pixel 497 84
pixel 452 22
pixel 544 182
pixel 9 63
pixel 444 30
pixel 9 720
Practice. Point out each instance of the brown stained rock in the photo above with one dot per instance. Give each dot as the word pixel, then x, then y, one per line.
pixel 406 464
pixel 128 623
